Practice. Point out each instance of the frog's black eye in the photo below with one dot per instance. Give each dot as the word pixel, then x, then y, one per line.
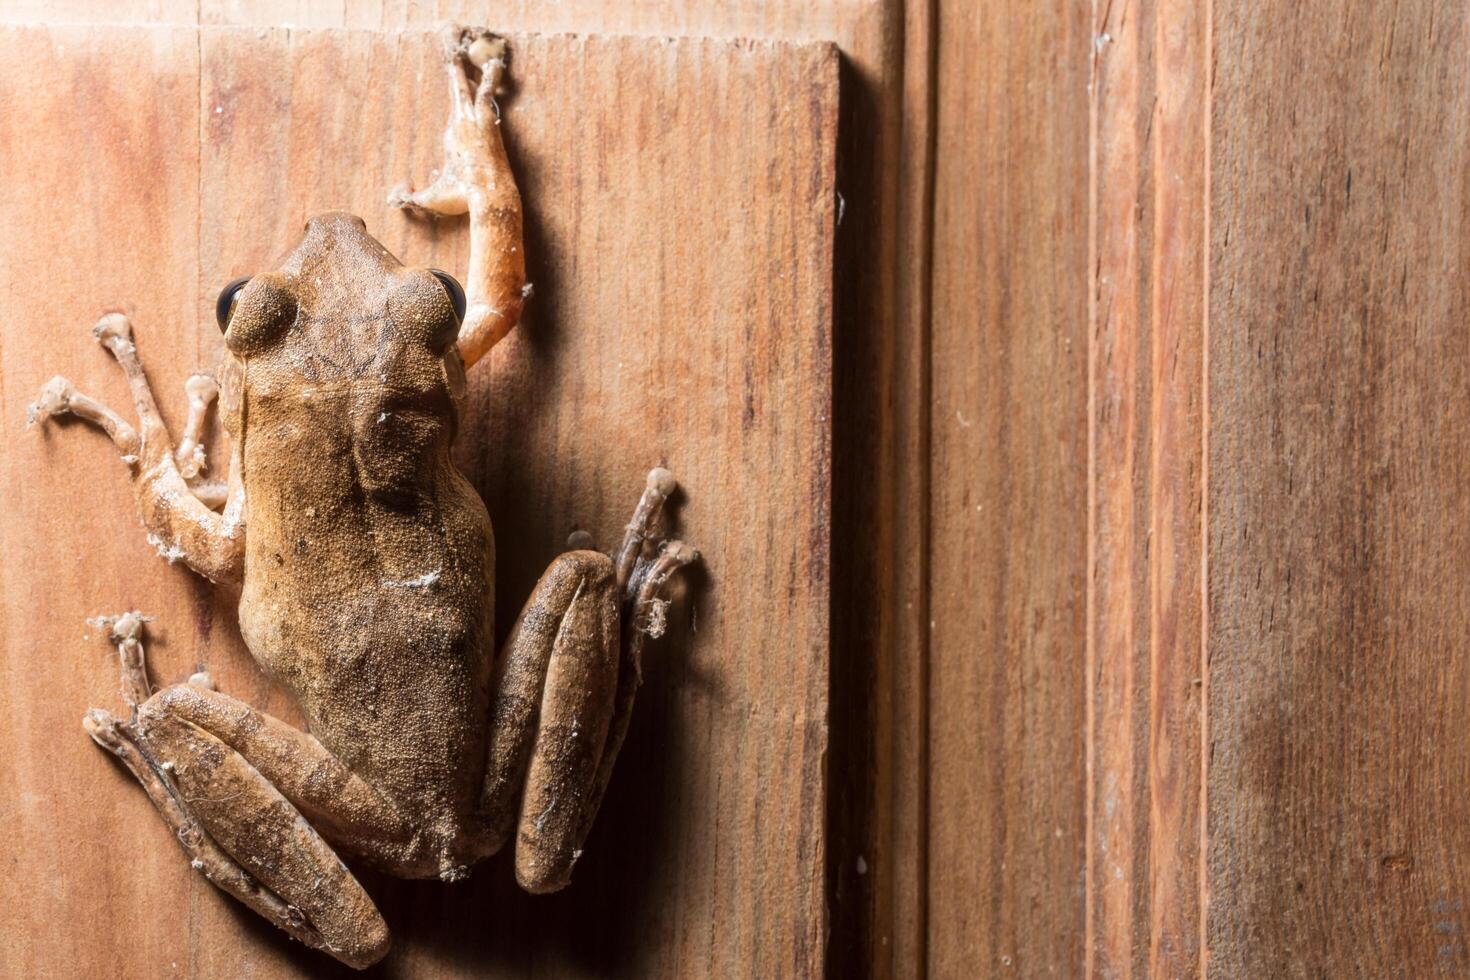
pixel 224 307
pixel 455 291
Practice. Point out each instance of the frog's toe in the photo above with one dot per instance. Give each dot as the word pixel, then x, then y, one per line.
pixel 113 326
pixel 445 195
pixel 644 534
pixel 53 399
pixel 486 51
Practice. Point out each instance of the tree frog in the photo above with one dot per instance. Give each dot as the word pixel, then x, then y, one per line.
pixel 365 564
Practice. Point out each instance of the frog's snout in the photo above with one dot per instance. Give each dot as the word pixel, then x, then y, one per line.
pixel 330 218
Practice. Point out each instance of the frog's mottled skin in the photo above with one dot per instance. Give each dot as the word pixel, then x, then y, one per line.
pixel 365 563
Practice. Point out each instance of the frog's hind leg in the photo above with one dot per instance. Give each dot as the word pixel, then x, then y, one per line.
pixel 556 684
pixel 565 684
pixel 229 809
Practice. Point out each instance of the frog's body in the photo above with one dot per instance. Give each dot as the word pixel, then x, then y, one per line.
pixel 365 563
pixel 370 392
pixel 369 395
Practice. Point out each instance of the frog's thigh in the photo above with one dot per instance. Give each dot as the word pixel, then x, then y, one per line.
pixel 230 819
pixel 340 805
pixel 556 687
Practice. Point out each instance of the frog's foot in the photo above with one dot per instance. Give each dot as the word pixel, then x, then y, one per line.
pixel 648 608
pixel 181 524
pixel 564 693
pixel 476 179
pixel 475 59
pixel 60 397
pixel 237 789
pixel 643 549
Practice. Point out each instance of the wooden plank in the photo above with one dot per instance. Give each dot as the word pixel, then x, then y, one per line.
pixel 878 718
pixel 878 715
pixel 905 839
pixel 1145 673
pixel 99 198
pixel 1009 491
pixel 1339 514
pixel 714 826
pixel 1177 411
pixel 1119 362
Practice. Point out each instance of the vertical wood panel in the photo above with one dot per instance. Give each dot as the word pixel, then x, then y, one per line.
pixel 907 743
pixel 1339 461
pixel 875 804
pixel 1120 381
pixel 1146 674
pixel 72 548
pixel 714 825
pixel 1177 313
pixel 1008 501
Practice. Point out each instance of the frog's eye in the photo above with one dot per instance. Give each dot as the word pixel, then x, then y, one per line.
pixel 224 307
pixel 455 291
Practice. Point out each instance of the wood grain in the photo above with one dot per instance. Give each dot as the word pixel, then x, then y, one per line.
pixel 1008 498
pixel 1339 575
pixel 1177 474
pixel 1145 673
pixel 667 262
pixel 1102 177
pixel 80 842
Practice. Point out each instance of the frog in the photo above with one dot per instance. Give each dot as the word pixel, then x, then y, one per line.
pixel 364 562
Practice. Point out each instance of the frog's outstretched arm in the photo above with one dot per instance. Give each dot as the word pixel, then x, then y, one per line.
pixel 477 180
pixel 179 523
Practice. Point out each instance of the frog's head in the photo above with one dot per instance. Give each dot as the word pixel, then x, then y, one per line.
pixel 340 308
pixel 341 315
pixel 344 351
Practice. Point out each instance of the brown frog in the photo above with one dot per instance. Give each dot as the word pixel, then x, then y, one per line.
pixel 365 563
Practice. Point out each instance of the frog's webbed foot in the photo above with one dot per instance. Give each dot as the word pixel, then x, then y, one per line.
pixel 237 788
pixel 476 179
pixel 565 685
pixel 180 521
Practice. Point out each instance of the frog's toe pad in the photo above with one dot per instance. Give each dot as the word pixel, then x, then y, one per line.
pixel 53 399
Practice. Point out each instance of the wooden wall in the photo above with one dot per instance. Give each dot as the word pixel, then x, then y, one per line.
pixel 1147 436
pixel 1339 690
pixel 684 318
pixel 1223 244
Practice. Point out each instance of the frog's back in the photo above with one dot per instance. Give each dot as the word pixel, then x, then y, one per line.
pixel 369 558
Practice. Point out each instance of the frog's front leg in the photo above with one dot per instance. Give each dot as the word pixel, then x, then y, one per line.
pixel 238 787
pixel 179 522
pixel 477 179
pixel 564 693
